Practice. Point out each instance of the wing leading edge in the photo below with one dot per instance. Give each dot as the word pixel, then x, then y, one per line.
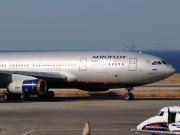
pixel 63 76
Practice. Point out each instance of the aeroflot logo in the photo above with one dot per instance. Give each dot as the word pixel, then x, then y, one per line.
pixel 108 57
pixel 176 125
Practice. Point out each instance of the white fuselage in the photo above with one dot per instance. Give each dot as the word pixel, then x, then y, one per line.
pixel 105 69
pixel 160 121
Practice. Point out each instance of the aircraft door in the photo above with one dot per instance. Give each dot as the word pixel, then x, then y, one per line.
pixel 82 65
pixel 177 119
pixel 132 64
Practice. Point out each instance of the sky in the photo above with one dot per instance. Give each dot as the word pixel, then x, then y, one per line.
pixel 88 24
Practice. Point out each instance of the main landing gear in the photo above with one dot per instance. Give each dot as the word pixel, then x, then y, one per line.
pixel 18 97
pixel 128 95
pixel 47 95
pixel 11 96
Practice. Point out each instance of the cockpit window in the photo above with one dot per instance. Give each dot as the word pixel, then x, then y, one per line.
pixel 160 113
pixel 164 62
pixel 154 63
pixel 159 63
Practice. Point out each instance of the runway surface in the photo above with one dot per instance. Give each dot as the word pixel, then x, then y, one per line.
pixel 67 115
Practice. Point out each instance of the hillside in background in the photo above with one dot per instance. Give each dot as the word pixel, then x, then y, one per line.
pixel 136 47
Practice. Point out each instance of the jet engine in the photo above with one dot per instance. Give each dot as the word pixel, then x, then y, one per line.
pixel 28 87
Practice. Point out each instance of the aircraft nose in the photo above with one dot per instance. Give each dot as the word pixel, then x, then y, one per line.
pixel 140 126
pixel 170 71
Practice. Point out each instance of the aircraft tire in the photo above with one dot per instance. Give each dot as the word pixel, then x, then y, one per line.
pixel 25 96
pixel 51 94
pixel 48 94
pixel 5 96
pixel 42 96
pixel 128 96
pixel 15 97
pixel 11 96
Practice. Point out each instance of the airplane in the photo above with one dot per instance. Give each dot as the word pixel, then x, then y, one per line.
pixel 166 121
pixel 34 73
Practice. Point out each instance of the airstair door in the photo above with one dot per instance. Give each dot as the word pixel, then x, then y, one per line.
pixel 82 65
pixel 132 64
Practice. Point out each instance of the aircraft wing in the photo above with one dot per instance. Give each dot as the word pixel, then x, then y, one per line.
pixel 156 132
pixel 64 76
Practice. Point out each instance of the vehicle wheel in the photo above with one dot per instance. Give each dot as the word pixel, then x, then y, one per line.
pixel 128 96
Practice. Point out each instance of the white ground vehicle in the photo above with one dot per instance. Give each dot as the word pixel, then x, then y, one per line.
pixel 167 121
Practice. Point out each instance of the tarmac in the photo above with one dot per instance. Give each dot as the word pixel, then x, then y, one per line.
pixel 67 115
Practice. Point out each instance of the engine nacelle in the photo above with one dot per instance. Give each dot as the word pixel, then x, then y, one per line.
pixel 28 87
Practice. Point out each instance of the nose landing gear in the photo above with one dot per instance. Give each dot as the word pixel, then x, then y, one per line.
pixel 128 95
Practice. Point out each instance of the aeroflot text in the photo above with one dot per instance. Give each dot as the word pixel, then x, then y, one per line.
pixel 108 57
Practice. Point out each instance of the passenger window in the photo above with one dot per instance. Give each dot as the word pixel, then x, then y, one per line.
pixel 154 63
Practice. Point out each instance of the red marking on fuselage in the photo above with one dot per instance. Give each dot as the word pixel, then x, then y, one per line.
pixel 117 83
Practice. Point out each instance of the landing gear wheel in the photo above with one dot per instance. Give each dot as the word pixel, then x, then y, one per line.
pixel 128 96
pixel 25 96
pixel 51 94
pixel 5 97
pixel 48 94
pixel 11 96
pixel 15 97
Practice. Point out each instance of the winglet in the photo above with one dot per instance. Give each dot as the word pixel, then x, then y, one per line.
pixel 86 130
